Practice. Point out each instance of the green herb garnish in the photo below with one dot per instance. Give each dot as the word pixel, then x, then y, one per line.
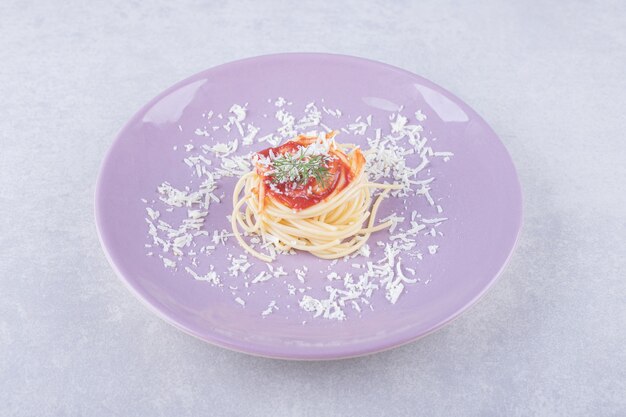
pixel 299 167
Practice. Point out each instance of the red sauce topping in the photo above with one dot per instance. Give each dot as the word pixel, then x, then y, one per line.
pixel 305 195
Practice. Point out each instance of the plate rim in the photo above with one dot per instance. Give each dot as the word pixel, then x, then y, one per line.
pixel 333 352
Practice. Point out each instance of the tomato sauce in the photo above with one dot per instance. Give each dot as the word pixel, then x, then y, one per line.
pixel 301 196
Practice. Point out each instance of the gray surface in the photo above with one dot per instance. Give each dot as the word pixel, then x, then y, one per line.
pixel 548 339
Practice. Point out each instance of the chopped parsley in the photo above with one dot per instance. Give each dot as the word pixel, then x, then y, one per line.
pixel 298 168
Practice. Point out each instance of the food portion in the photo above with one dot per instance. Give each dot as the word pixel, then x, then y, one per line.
pixel 310 194
pixel 296 191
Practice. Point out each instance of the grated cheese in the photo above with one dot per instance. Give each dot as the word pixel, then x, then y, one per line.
pixel 168 263
pixel 210 276
pixel 184 237
pixel 270 309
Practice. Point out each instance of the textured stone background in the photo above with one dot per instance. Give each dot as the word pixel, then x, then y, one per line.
pixel 548 340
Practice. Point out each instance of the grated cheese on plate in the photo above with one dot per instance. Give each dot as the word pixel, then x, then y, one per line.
pixel 180 227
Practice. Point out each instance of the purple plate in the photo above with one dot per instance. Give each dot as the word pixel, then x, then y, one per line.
pixel 453 264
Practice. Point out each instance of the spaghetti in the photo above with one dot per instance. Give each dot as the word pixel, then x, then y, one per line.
pixel 309 194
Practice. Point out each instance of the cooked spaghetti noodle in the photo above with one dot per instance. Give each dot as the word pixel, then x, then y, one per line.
pixel 309 194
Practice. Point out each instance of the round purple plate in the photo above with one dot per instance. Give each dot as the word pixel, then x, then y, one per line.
pixel 449 264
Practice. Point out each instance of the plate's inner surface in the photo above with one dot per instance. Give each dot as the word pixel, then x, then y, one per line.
pixel 465 201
